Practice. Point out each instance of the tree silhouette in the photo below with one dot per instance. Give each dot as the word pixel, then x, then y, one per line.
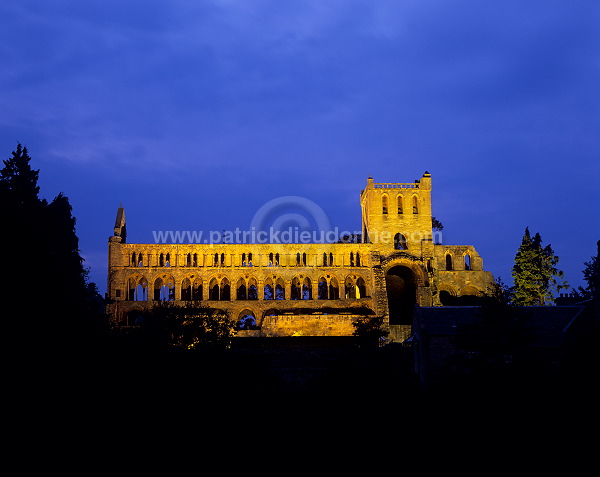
pixel 591 274
pixel 369 331
pixel 47 282
pixel 191 326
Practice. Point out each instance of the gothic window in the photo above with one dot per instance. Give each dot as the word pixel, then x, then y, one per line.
pixel 243 259
pixel 467 262
pixel 415 204
pixel 295 292
pixel 133 257
pixel 222 259
pixel 304 258
pixel 297 259
pixel 384 204
pixel 188 260
pixel 140 260
pixel 276 259
pixel 330 259
pixel 448 261
pixel 334 289
pixel 168 260
pixel 241 290
pixel 216 261
pixel 269 292
pixel 213 291
pixel 131 284
pixel 186 290
pixel 307 289
pixel 351 259
pixel 161 260
pixel 164 290
pixel 349 290
pixel 400 208
pixel 324 259
pixel 195 260
pixel 361 288
pixel 141 291
pixel 400 242
pixel 322 289
pixel 197 290
pixel 225 290
pixel 357 259
pixel 280 289
pixel 137 289
pixel 252 289
pixel 271 259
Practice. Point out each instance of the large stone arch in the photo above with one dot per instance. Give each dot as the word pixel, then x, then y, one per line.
pixel 134 316
pixel 246 319
pixel 409 261
pixel 447 294
pixel 470 290
pixel 405 282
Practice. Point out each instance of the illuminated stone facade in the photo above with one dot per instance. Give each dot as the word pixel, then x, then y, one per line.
pixel 314 289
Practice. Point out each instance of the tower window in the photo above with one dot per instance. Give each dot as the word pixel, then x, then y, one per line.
pixel 400 242
pixel 384 204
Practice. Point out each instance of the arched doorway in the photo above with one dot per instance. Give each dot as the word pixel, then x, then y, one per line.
pixel 401 290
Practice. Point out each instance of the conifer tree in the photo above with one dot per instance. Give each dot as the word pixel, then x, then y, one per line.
pixel 591 274
pixel 45 281
pixel 18 182
pixel 534 273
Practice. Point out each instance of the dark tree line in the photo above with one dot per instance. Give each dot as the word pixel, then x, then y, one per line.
pixel 48 301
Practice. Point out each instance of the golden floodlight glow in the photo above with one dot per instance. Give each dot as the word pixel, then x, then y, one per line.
pixel 304 286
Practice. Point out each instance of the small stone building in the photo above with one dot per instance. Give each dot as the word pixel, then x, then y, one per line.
pixel 309 289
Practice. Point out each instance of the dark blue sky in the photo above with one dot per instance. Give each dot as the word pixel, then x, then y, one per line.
pixel 195 113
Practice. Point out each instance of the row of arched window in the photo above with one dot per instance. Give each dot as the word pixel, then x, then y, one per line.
pixel 466 262
pixel 386 206
pixel 218 259
pixel 300 288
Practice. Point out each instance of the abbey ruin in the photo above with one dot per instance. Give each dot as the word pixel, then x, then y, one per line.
pixel 309 289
